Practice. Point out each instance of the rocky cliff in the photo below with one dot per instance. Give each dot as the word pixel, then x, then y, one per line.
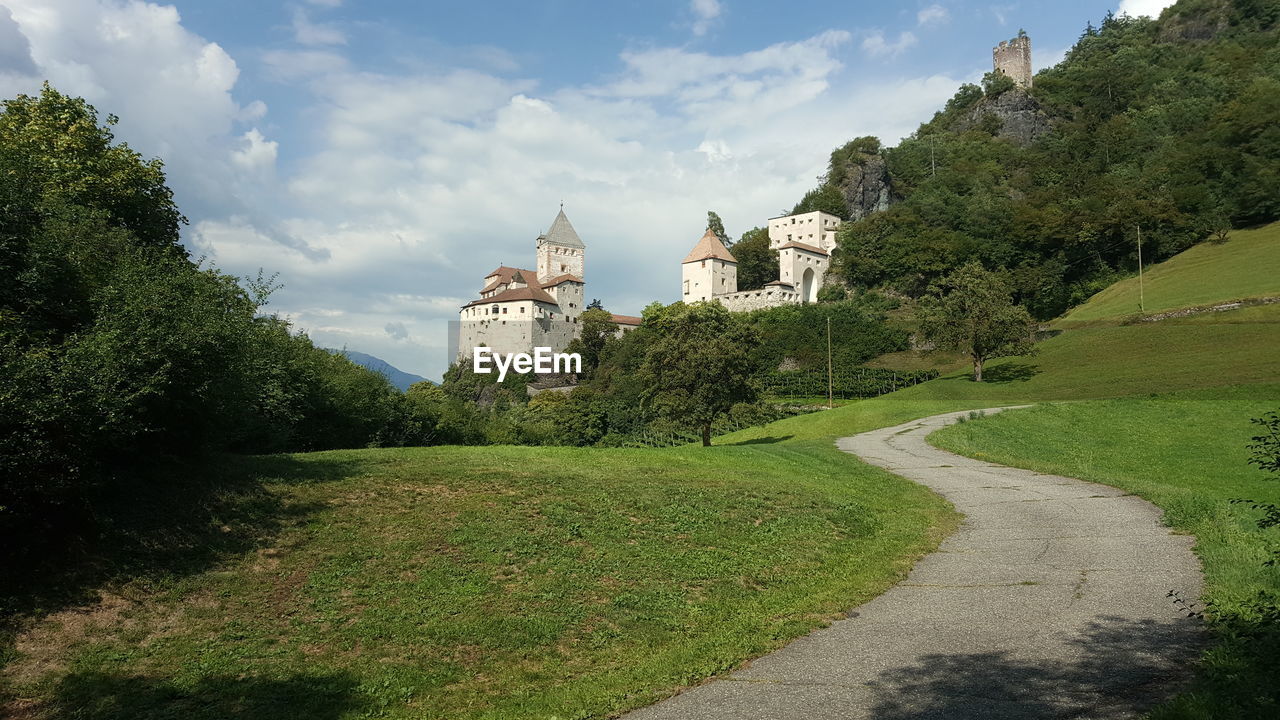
pixel 1017 115
pixel 865 185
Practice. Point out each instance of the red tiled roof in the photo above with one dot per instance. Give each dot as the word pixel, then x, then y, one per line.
pixel 626 319
pixel 709 247
pixel 524 293
pixel 506 274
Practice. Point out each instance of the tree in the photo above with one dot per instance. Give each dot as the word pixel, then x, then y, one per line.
pixel 73 162
pixel 1265 448
pixel 699 365
pixel 972 310
pixel 598 329
pixel 715 225
pixel 595 304
pixel 757 262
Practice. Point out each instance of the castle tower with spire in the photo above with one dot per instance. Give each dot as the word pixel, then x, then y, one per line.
pixel 1013 58
pixel 560 250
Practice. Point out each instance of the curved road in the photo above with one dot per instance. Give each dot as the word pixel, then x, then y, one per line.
pixel 1049 601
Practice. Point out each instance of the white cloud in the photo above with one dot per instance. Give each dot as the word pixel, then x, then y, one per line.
pixel 256 154
pixel 291 65
pixel 1138 8
pixel 704 13
pixel 306 32
pixel 933 15
pixel 876 45
pixel 409 185
pixel 171 88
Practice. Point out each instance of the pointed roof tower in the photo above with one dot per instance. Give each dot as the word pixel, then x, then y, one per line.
pixel 709 247
pixel 562 233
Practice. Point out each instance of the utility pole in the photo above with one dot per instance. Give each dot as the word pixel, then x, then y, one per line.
pixel 830 402
pixel 1142 304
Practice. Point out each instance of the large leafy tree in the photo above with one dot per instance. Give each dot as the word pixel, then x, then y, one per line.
pixel 598 329
pixel 698 364
pixel 116 349
pixel 972 310
pixel 70 159
pixel 757 263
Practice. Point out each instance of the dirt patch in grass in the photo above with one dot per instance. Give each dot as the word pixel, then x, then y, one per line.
pixel 43 647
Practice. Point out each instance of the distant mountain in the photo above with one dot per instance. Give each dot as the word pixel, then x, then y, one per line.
pixel 398 377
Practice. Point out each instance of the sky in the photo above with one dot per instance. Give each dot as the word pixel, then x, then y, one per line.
pixel 382 156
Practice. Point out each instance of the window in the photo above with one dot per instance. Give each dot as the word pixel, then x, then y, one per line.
pixel 522 310
pixel 686 287
pixel 504 311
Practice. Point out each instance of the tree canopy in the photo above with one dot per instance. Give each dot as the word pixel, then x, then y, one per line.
pixel 698 366
pixel 972 310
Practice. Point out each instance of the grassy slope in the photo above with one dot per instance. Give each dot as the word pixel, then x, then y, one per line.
pixel 1184 452
pixel 488 583
pixel 1247 266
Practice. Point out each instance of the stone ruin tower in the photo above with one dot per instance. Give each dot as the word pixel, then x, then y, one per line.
pixel 1013 58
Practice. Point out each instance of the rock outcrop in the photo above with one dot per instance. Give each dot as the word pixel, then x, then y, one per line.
pixel 865 185
pixel 1020 118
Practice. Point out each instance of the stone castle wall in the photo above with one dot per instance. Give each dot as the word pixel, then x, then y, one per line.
pixel 516 336
pixel 772 296
pixel 1013 58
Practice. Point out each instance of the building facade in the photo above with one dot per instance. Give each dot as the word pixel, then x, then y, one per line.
pixel 520 309
pixel 804 243
pixel 815 228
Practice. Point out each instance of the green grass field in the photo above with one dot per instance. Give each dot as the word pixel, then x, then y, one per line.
pixel 575 583
pixel 496 582
pixel 1247 266
pixel 1185 452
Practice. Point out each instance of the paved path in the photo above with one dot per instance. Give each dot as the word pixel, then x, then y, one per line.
pixel 1049 601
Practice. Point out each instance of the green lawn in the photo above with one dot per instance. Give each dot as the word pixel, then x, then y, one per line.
pixel 537 582
pixel 1184 452
pixel 1247 266
pixel 497 582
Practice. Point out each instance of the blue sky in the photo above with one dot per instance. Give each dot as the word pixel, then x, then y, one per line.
pixel 381 157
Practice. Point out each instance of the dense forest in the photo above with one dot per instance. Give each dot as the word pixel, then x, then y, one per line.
pixel 118 351
pixel 1171 125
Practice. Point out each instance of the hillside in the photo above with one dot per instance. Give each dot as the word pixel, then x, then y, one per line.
pixel 397 377
pixel 1168 124
pixel 1246 267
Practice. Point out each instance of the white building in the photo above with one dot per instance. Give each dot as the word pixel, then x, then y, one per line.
pixel 708 270
pixel 804 243
pixel 815 228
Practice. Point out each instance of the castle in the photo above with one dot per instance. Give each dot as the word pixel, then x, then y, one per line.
pixel 804 243
pixel 1013 58
pixel 520 309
